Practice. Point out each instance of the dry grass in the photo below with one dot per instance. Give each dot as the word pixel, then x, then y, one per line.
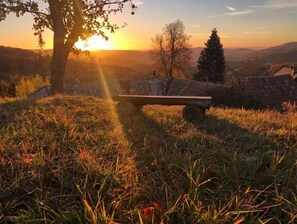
pixel 73 160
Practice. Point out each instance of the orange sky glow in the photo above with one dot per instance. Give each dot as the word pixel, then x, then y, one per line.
pixel 240 24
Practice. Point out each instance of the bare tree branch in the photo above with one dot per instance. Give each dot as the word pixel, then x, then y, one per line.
pixel 171 50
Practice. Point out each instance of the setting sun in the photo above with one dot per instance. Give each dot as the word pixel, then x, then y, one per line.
pixel 93 43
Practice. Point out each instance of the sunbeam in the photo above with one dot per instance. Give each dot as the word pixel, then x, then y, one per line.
pixel 117 123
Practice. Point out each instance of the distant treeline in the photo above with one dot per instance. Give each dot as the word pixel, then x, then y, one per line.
pixel 14 61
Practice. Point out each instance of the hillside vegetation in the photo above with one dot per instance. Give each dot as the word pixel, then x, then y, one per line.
pixel 74 160
pixel 129 64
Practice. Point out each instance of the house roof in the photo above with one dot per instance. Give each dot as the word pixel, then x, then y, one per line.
pixel 287 70
pixel 283 71
pixel 272 91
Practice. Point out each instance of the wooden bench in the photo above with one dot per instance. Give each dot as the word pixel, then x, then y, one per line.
pixel 195 106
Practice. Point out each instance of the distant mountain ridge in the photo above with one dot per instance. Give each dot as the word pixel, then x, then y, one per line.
pixel 231 54
pixel 285 53
pixel 141 61
pixel 284 48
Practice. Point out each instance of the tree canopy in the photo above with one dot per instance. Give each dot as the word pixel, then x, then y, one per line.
pixel 171 49
pixel 211 63
pixel 69 20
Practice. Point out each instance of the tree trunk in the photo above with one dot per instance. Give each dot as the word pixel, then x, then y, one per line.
pixel 57 84
pixel 58 65
pixel 62 45
pixel 59 56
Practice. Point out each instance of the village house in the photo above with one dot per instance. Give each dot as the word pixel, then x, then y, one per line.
pixel 286 70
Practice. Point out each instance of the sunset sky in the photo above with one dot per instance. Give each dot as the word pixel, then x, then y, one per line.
pixel 241 23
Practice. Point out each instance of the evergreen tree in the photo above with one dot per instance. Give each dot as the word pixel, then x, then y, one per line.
pixel 211 63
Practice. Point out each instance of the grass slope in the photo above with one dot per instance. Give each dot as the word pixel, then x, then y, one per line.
pixel 73 160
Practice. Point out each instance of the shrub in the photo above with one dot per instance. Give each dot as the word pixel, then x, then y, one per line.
pixel 28 85
pixel 233 95
pixel 7 88
pixel 289 107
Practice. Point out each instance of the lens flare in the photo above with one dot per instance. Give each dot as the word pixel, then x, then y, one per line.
pixel 93 43
pixel 111 104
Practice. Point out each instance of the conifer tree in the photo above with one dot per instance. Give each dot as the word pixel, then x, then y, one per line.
pixel 211 63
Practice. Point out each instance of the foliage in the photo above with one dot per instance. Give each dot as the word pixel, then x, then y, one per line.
pixel 7 88
pixel 233 94
pixel 18 61
pixel 211 63
pixel 289 107
pixel 69 20
pixel 73 160
pixel 28 85
pixel 171 50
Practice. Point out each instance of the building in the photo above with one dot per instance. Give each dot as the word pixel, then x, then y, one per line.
pixel 286 70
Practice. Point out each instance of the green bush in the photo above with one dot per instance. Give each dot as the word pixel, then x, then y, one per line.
pixel 28 85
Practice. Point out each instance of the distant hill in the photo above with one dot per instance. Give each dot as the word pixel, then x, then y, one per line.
pixel 15 61
pixel 285 53
pixel 280 49
pixel 131 62
pixel 87 71
pixel 231 54
pixel 138 60
pixel 22 62
pixel 281 57
pixel 5 51
pixel 141 61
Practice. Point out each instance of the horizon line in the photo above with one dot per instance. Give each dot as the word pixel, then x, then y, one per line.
pixel 135 49
pixel 148 49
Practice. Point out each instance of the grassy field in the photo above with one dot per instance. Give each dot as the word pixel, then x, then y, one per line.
pixel 74 160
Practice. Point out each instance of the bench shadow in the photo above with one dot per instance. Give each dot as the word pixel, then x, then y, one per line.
pixel 141 128
pixel 232 134
pixel 231 149
pixel 228 134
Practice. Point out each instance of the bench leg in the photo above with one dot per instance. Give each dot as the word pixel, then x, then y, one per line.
pixel 193 113
pixel 127 108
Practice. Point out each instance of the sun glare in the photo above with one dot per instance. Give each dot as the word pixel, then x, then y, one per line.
pixel 93 43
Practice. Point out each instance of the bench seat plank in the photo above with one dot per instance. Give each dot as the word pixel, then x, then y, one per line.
pixel 200 101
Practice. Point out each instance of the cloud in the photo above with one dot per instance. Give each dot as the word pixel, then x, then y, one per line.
pixel 230 8
pixel 240 13
pixel 257 32
pixel 234 13
pixel 268 4
pixel 277 4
